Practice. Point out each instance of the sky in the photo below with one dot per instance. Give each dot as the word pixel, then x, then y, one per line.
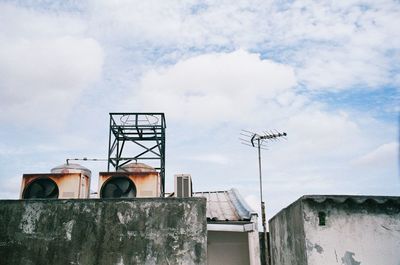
pixel 325 72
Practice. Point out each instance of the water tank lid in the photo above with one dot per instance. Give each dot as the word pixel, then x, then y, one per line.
pixel 70 166
pixel 136 167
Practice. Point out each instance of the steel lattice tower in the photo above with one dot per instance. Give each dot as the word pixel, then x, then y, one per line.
pixel 138 137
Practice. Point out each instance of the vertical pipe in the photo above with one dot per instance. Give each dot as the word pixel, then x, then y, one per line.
pixel 264 237
pixel 80 186
pixel 117 153
pixel 109 147
pixel 261 189
pixel 259 168
pixel 162 162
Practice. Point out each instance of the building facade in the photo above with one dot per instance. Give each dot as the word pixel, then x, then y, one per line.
pixel 232 231
pixel 103 231
pixel 331 230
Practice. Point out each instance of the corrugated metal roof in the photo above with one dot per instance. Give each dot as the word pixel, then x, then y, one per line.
pixel 226 206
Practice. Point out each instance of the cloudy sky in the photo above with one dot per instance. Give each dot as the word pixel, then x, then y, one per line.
pixel 325 72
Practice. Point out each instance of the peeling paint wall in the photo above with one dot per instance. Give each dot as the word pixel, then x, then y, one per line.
pixel 286 232
pixel 113 231
pixel 354 233
pixel 344 230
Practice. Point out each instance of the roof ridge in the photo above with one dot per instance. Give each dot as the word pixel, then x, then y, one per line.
pixel 243 209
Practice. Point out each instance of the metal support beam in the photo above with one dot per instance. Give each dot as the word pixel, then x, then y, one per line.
pixel 137 137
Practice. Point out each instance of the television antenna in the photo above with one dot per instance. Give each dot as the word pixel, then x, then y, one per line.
pixel 259 141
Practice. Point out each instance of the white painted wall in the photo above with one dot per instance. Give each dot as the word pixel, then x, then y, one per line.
pixel 227 248
pixel 352 238
pixel 254 247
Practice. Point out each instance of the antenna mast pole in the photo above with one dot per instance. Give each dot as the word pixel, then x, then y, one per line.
pixel 257 139
pixel 261 189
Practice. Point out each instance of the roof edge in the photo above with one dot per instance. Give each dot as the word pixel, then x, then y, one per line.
pixel 359 199
pixel 244 210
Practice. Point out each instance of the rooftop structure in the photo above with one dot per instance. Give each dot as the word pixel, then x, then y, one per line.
pixel 337 229
pixel 226 206
pixel 137 137
pixel 232 229
pixel 103 231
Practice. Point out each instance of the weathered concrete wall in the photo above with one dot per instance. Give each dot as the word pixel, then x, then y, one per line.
pixel 287 246
pixel 113 231
pixel 331 230
pixel 356 231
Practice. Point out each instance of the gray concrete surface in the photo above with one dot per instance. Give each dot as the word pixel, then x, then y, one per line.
pixel 103 231
pixel 286 230
pixel 331 230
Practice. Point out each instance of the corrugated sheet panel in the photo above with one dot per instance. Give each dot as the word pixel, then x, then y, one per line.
pixel 226 206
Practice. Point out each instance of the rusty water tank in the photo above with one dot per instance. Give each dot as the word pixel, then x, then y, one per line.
pixel 131 180
pixel 67 181
pixel 135 167
pixel 72 168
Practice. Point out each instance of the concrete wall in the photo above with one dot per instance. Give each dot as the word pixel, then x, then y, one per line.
pixel 228 248
pixel 287 246
pixel 113 231
pixel 357 230
pixel 355 233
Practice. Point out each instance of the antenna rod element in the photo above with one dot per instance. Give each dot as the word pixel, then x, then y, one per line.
pixel 268 136
pixel 257 141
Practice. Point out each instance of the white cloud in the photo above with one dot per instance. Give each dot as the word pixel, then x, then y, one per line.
pixel 344 67
pixel 240 90
pixel 43 74
pixel 210 158
pixel 315 158
pixel 215 87
pixel 27 23
pixel 338 46
pixel 323 134
pixel 385 155
pixel 330 45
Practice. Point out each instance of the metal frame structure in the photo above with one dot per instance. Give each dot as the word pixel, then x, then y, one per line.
pixel 143 131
